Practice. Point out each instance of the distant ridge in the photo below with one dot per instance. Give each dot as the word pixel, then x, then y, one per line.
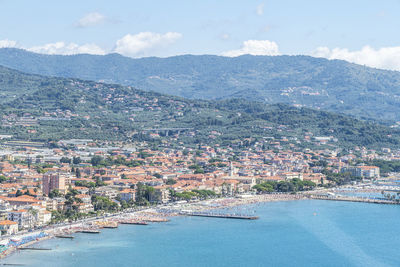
pixel 331 85
pixel 43 109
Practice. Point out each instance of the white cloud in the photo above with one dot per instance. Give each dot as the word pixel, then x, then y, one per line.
pixel 91 19
pixel 144 43
pixel 383 58
pixel 260 9
pixel 256 48
pixel 61 48
pixel 7 43
pixel 133 45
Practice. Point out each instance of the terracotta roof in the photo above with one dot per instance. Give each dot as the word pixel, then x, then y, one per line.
pixel 7 222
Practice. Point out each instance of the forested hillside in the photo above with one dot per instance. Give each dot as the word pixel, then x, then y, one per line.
pixel 45 109
pixel 336 86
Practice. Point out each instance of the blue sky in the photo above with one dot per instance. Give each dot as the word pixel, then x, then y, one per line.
pixel 361 31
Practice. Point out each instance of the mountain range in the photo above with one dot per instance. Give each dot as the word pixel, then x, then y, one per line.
pixel 304 81
pixel 40 108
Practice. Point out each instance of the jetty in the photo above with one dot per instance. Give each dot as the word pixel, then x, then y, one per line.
pixel 64 236
pixel 110 226
pixel 354 199
pixel 107 224
pixel 31 248
pixel 216 215
pixel 133 222
pixel 156 220
pixel 89 231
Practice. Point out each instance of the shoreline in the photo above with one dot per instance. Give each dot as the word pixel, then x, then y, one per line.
pixel 159 211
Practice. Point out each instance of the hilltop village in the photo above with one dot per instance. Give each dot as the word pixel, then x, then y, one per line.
pixel 82 178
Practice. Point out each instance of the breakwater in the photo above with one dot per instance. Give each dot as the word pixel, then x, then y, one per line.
pixel 216 215
pixel 354 199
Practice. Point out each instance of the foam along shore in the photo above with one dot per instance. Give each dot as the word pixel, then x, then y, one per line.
pixel 154 214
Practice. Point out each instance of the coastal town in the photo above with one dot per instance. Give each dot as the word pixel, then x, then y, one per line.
pixel 83 180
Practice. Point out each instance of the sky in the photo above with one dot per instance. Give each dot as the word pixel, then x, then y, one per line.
pixel 360 31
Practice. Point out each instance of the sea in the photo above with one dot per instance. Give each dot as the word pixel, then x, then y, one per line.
pixel 291 233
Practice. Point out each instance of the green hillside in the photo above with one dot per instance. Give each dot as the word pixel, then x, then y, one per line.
pixel 45 109
pixel 330 85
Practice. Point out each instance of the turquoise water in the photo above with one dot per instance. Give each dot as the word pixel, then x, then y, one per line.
pixel 297 233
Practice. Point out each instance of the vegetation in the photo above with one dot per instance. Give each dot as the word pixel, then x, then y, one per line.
pixel 54 193
pixel 170 181
pixel 194 194
pixel 293 185
pixel 103 204
pixel 108 113
pixel 340 178
pixel 144 194
pixel 85 184
pixel 3 179
pixel 333 85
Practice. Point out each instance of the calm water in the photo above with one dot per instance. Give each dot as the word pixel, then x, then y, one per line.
pixel 301 233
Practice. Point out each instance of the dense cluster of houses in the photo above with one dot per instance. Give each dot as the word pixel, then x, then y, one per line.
pixel 34 181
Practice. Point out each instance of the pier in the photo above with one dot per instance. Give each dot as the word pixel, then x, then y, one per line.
pixel 110 226
pixel 30 248
pixel 106 224
pixel 64 236
pixel 132 222
pixel 225 216
pixel 156 220
pixel 90 231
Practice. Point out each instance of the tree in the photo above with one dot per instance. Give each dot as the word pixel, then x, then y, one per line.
pixel 76 160
pixel 141 194
pixel 78 173
pixel 199 171
pixel 18 193
pixel 100 182
pixel 65 160
pixel 3 178
pixel 96 160
pixel 149 193
pixel 170 181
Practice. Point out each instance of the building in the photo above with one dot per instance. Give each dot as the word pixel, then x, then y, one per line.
pixel 292 175
pixel 8 227
pixel 106 192
pixel 127 195
pixel 51 181
pixel 23 217
pixel 368 172
pixel 160 195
